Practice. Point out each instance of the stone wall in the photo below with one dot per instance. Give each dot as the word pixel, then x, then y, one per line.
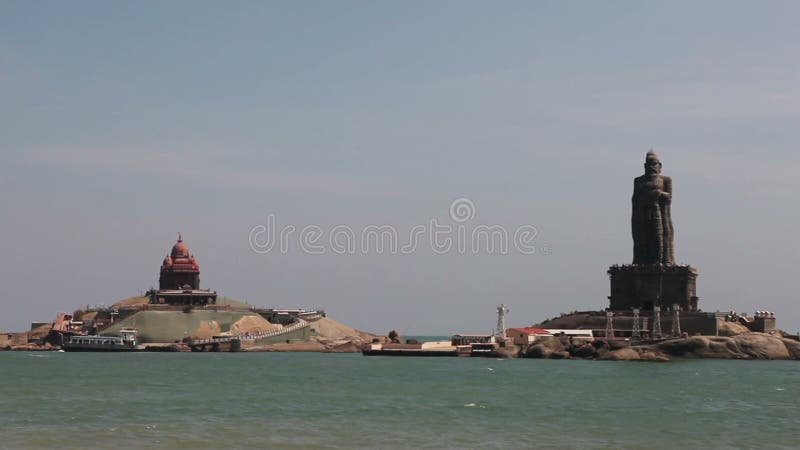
pixel 634 286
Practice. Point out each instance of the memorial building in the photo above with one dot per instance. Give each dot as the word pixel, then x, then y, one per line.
pixel 179 281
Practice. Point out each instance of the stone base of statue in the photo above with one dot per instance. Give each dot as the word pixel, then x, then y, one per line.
pixel 645 286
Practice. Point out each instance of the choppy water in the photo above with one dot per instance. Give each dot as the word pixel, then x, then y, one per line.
pixel 343 401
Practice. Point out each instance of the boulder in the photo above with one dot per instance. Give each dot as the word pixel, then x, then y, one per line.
pixel 650 355
pixel 538 351
pixel 622 354
pixel 618 344
pixel 740 346
pixel 583 351
pixel 762 346
pixel 725 328
pixel 509 351
pixel 347 347
pixel 792 346
pixel 633 354
pixel 721 347
pixel 691 346
pixel 545 347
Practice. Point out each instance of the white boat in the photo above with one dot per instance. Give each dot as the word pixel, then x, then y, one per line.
pixel 126 343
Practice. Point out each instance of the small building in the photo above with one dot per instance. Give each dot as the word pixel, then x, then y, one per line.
pixel 762 322
pixel 574 334
pixel 469 339
pixel 527 335
pixel 179 280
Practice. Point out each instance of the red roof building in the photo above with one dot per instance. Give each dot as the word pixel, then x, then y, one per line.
pixel 179 280
pixel 179 269
pixel 527 335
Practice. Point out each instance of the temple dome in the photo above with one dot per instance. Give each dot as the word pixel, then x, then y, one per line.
pixel 180 249
pixel 179 269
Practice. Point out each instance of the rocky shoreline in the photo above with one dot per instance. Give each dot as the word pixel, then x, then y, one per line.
pixel 744 346
pixel 327 336
pixel 330 336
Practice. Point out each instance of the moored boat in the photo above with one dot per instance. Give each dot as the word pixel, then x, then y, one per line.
pixel 458 345
pixel 126 343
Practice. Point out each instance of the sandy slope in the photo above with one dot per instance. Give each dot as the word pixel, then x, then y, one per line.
pixel 252 324
pixel 172 326
pixel 329 329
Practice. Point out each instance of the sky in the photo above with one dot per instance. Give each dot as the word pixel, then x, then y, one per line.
pixel 124 124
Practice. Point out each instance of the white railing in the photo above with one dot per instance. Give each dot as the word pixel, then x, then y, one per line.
pixel 252 336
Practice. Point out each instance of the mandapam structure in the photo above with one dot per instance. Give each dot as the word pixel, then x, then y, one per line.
pixel 179 280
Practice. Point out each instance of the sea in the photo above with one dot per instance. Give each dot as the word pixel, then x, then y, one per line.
pixel 349 401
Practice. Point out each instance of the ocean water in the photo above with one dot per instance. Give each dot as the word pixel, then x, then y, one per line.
pixel 345 401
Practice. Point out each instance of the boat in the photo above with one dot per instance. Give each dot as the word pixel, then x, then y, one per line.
pixel 126 343
pixel 437 348
pixel 458 345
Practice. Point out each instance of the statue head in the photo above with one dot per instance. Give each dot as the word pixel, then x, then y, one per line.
pixel 652 165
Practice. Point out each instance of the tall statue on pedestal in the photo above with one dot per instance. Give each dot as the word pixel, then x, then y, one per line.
pixel 651 220
pixel 653 280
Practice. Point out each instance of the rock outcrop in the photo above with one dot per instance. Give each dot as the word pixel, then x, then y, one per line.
pixel 623 354
pixel 586 351
pixel 749 345
pixel 740 346
pixel 725 328
pixel 327 336
pixel 793 347
pixel 547 347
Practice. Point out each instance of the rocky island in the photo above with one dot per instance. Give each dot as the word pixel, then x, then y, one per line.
pixel 180 316
pixel 653 312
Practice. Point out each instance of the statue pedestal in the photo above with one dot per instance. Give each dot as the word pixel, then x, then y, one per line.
pixel 645 286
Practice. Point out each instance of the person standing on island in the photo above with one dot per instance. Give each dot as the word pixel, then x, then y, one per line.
pixel 651 221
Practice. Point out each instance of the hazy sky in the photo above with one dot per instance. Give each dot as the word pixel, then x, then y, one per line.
pixel 124 123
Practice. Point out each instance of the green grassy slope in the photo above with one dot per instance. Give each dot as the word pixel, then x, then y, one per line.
pixel 171 326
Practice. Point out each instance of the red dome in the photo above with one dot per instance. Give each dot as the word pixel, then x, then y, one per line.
pixel 180 250
pixel 180 259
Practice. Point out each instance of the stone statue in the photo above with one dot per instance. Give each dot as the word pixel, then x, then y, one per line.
pixel 651 221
